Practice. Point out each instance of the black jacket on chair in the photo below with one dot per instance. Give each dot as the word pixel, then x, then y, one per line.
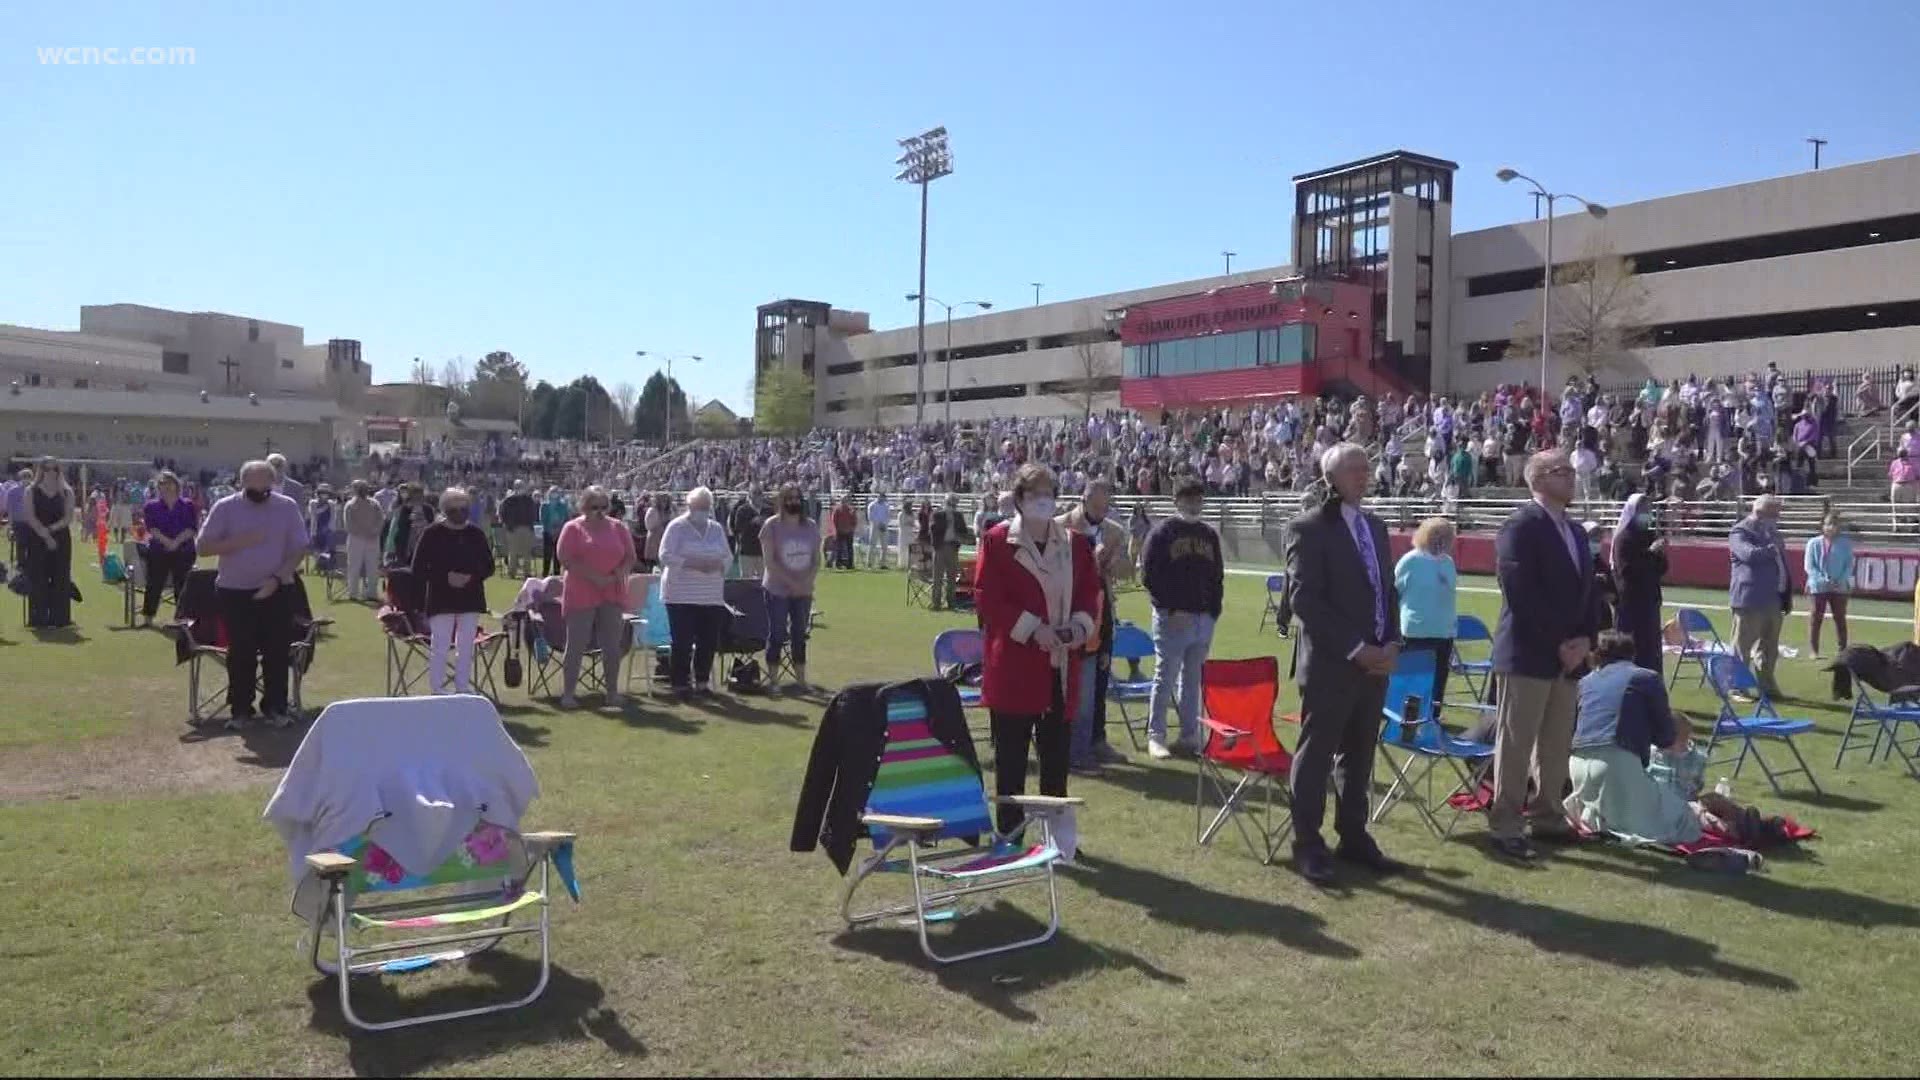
pixel 846 758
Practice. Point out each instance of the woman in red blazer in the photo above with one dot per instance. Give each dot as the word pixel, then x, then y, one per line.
pixel 1037 590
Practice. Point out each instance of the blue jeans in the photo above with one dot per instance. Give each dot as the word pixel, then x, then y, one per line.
pixel 1180 643
pixel 787 619
pixel 1081 730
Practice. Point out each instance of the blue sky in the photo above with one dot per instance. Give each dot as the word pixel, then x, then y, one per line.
pixel 572 182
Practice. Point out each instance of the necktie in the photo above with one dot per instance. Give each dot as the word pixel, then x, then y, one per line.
pixel 1363 539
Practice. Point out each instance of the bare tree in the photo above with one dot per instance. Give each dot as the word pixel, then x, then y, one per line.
pixel 1093 373
pixel 422 379
pixel 453 375
pixel 1601 314
pixel 624 396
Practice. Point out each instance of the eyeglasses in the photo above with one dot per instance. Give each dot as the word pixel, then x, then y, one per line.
pixel 1560 470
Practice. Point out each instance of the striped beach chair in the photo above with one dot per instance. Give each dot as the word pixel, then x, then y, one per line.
pixel 925 798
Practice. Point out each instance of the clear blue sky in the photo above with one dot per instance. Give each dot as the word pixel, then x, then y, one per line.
pixel 572 182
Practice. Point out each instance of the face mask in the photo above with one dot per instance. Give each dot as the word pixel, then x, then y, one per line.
pixel 698 517
pixel 257 496
pixel 1188 512
pixel 1040 506
pixel 457 515
pixel 796 508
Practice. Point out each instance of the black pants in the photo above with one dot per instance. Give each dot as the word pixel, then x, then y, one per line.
pixel 548 558
pixel 164 569
pixel 843 551
pixel 49 580
pixel 259 644
pixel 696 636
pixel 1011 734
pixel 1339 730
pixel 1442 650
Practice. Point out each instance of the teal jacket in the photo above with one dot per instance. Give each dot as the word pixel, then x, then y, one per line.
pixel 1830 571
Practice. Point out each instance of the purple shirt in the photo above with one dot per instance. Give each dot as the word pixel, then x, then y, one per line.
pixel 170 523
pixel 283 536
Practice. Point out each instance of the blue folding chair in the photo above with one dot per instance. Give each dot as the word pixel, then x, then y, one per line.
pixel 1729 674
pixel 651 633
pixel 1133 646
pixel 1476 673
pixel 1694 648
pixel 1411 729
pixel 960 646
pixel 1276 588
pixel 1884 722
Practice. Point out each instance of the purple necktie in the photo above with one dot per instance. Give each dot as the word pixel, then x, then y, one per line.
pixel 1363 538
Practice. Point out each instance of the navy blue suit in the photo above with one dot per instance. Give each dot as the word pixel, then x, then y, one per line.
pixel 1548 597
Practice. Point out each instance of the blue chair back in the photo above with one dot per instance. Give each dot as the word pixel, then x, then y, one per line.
pixel 958 646
pixel 1276 583
pixel 1412 678
pixel 1730 674
pixel 920 777
pixel 1470 628
pixel 1695 621
pixel 659 630
pixel 1132 643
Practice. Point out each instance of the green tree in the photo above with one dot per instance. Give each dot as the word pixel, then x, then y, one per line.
pixel 783 401
pixel 498 388
pixel 543 406
pixel 650 415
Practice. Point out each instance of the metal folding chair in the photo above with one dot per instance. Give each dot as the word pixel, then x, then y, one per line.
pixel 964 647
pixel 1698 641
pixel 1243 766
pixel 1133 647
pixel 1883 722
pixel 919 575
pixel 1476 672
pixel 1276 588
pixel 1728 675
pixel 1413 744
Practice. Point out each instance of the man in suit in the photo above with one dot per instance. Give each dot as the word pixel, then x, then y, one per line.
pixel 1548 618
pixel 1760 591
pixel 1340 578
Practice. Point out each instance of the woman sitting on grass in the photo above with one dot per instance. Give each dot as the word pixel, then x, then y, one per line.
pixel 1623 719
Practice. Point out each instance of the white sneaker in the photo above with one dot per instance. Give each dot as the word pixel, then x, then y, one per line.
pixel 277 720
pixel 1157 749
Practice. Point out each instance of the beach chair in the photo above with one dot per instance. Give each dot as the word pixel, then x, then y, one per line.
pixel 925 796
pixel 1477 671
pixel 367 915
pixel 964 648
pixel 1413 743
pixel 919 575
pixel 1729 675
pixel 544 633
pixel 1133 647
pixel 200 641
pixel 1883 722
pixel 1276 589
pixel 1243 766
pixel 1698 641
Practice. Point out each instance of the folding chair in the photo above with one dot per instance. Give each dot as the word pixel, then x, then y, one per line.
pixel 1276 588
pixel 963 647
pixel 747 627
pixel 1728 674
pixel 1477 673
pixel 404 625
pixel 1884 721
pixel 366 914
pixel 200 641
pixel 545 631
pixel 1696 649
pixel 1411 726
pixel 919 575
pixel 331 566
pixel 1237 702
pixel 1133 646
pixel 652 633
pixel 925 794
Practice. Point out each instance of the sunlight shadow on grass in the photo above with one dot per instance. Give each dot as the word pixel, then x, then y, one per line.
pixel 1195 907
pixel 1816 902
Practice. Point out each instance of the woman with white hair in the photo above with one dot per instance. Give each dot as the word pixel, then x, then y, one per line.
pixel 452 563
pixel 694 550
pixel 596 553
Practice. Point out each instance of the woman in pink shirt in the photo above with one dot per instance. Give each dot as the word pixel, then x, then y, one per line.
pixel 596 553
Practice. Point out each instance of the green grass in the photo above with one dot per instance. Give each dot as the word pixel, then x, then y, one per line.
pixel 148 931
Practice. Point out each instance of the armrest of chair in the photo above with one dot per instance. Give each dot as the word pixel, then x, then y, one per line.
pixel 1040 802
pixel 327 865
pixel 901 823
pixel 547 839
pixel 1227 732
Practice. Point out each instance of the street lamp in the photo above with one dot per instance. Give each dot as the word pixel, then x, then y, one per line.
pixel 983 305
pixel 923 159
pixel 1228 255
pixel 1036 291
pixel 1546 284
pixel 666 438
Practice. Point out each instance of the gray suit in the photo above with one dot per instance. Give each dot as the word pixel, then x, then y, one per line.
pixel 1759 588
pixel 1333 595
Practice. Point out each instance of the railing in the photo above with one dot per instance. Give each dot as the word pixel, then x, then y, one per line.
pixel 1864 446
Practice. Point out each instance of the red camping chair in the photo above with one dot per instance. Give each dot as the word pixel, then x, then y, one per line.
pixel 403 621
pixel 1243 762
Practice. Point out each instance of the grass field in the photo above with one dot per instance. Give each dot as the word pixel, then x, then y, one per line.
pixel 147 928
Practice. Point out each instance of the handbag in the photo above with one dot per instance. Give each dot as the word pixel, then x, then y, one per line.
pixel 513 671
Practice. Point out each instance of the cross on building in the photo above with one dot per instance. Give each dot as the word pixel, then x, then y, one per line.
pixel 229 363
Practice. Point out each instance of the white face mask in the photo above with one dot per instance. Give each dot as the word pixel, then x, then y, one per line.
pixel 1188 513
pixel 698 517
pixel 1039 507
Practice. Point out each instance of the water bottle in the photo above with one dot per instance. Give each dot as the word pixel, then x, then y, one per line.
pixel 1724 788
pixel 1410 719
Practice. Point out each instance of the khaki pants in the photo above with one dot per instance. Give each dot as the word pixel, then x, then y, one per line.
pixel 1756 640
pixel 1516 467
pixel 1533 738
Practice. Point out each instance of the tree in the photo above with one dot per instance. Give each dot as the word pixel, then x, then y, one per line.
pixel 498 389
pixel 581 410
pixel 453 376
pixel 650 414
pixel 1093 374
pixel 1601 314
pixel 783 401
pixel 624 396
pixel 422 378
pixel 543 408
pixel 715 425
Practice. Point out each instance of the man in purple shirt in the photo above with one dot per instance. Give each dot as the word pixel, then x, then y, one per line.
pixel 259 536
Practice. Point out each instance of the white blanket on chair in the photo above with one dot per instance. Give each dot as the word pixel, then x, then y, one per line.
pixel 435 765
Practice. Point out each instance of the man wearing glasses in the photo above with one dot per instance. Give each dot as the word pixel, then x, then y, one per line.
pixel 1549 615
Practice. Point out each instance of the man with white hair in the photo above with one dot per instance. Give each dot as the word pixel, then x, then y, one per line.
pixel 285 484
pixel 1759 590
pixel 1340 582
pixel 1548 619
pixel 259 538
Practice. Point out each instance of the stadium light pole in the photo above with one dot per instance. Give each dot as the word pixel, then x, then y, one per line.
pixel 1228 255
pixel 923 159
pixel 1546 282
pixel 666 437
pixel 983 305
pixel 1036 292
